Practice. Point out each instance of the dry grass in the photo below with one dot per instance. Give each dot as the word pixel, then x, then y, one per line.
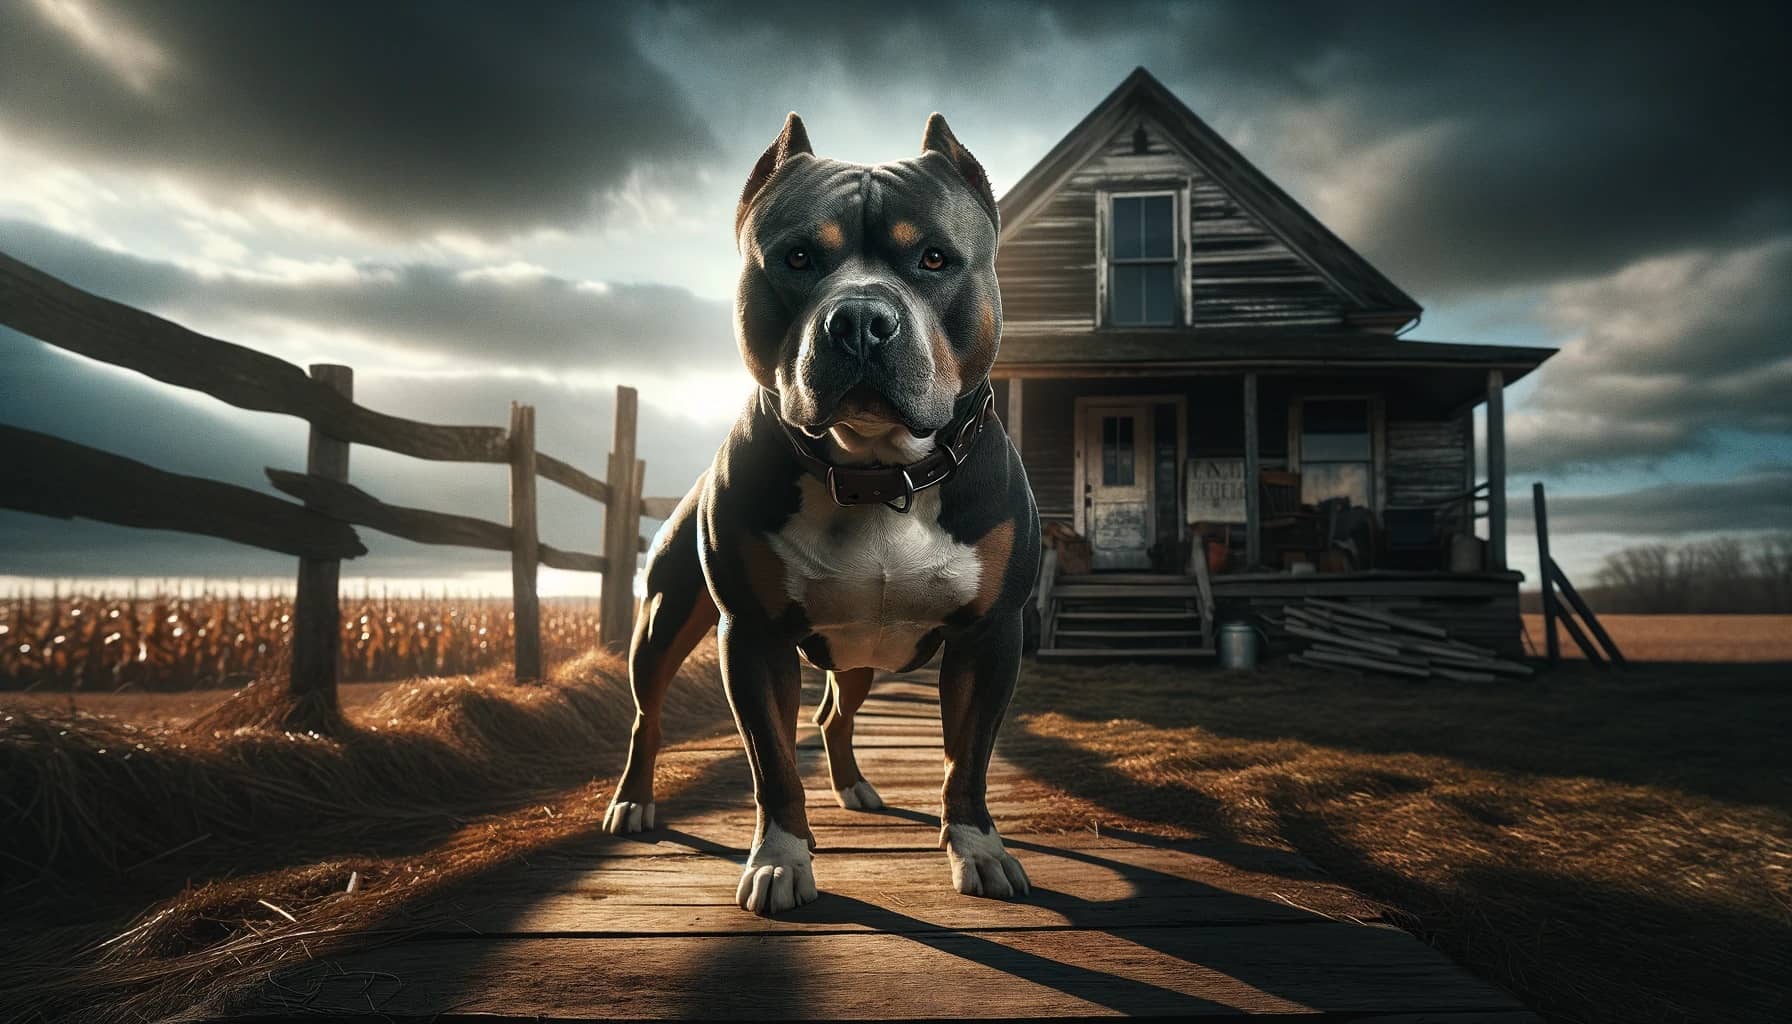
pixel 1700 638
pixel 242 836
pixel 1608 847
pixel 170 710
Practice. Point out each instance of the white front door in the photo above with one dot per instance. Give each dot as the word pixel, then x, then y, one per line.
pixel 1117 513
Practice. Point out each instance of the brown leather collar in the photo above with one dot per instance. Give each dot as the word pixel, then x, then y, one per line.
pixel 863 485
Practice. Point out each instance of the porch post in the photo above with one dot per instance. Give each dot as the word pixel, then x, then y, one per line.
pixel 1253 515
pixel 1496 469
pixel 1012 421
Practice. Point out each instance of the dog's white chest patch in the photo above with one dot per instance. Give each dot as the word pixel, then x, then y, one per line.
pixel 873 581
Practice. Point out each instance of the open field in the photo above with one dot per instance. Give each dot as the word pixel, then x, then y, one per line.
pixel 100 643
pixel 1609 846
pixel 1700 638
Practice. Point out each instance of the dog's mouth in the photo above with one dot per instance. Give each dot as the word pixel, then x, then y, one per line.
pixel 867 413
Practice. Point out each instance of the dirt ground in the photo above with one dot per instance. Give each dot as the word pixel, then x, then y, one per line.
pixel 1608 846
pixel 1694 638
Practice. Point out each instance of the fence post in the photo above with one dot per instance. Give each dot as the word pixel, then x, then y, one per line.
pixel 525 544
pixel 1552 643
pixel 316 607
pixel 622 525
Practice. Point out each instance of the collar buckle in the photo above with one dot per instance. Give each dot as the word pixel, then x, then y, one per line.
pixel 908 494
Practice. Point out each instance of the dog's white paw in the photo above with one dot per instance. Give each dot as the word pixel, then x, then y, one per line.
pixel 981 866
pixel 625 816
pixel 780 874
pixel 859 797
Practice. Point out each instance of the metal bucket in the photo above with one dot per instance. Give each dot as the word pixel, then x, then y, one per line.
pixel 1238 645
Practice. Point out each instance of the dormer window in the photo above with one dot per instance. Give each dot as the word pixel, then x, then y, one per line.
pixel 1144 272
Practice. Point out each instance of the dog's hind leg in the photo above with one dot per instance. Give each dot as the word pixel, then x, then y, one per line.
pixel 846 691
pixel 675 615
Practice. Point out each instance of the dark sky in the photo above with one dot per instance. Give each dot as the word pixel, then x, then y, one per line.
pixel 474 203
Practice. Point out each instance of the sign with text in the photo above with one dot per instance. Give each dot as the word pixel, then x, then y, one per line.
pixel 1216 490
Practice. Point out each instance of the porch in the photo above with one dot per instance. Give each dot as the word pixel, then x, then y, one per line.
pixel 1277 467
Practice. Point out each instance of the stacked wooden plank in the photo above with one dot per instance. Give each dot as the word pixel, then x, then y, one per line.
pixel 1342 637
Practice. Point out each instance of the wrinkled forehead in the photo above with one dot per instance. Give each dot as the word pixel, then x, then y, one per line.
pixel 833 201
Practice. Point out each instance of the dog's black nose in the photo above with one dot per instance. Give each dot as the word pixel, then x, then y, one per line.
pixel 860 324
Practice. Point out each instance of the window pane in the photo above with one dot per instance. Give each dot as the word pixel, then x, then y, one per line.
pixel 1116 451
pixel 1159 228
pixel 1160 293
pixel 1126 298
pixel 1334 480
pixel 1126 242
pixel 1110 428
pixel 1334 430
pixel 1143 293
pixel 1124 456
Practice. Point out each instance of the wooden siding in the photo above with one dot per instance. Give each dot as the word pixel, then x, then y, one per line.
pixel 1049 446
pixel 1241 274
pixel 1424 461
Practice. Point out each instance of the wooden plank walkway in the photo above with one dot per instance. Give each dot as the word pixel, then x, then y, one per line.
pixel 1122 924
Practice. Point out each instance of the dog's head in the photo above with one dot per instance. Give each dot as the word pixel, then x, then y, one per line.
pixel 868 297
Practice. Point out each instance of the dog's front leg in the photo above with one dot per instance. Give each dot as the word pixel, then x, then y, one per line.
pixel 977 678
pixel 765 688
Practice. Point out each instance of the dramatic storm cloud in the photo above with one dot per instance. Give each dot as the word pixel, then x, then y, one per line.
pixel 1668 351
pixel 1756 500
pixel 406 117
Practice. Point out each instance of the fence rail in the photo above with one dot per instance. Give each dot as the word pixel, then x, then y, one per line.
pixel 54 477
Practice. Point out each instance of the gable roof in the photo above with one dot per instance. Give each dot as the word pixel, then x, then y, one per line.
pixel 1366 288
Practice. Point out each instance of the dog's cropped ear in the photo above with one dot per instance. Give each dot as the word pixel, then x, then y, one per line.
pixel 939 139
pixel 792 140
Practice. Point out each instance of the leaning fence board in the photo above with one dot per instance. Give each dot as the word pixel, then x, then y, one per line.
pixel 1585 612
pixel 52 477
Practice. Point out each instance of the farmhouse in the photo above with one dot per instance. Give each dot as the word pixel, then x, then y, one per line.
pixel 1216 406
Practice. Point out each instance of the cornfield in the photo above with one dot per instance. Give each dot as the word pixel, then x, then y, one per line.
pixel 171 641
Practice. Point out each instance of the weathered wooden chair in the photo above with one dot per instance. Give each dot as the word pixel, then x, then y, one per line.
pixel 1289 528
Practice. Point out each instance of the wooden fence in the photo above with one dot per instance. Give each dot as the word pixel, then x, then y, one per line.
pixel 53 477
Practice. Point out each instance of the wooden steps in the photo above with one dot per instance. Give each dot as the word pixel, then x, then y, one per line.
pixel 1137 634
pixel 1128 591
pixel 1167 616
pixel 1130 615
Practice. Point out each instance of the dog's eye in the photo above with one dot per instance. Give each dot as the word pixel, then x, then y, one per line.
pixel 797 259
pixel 932 259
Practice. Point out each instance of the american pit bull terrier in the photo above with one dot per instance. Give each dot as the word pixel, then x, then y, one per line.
pixel 866 507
